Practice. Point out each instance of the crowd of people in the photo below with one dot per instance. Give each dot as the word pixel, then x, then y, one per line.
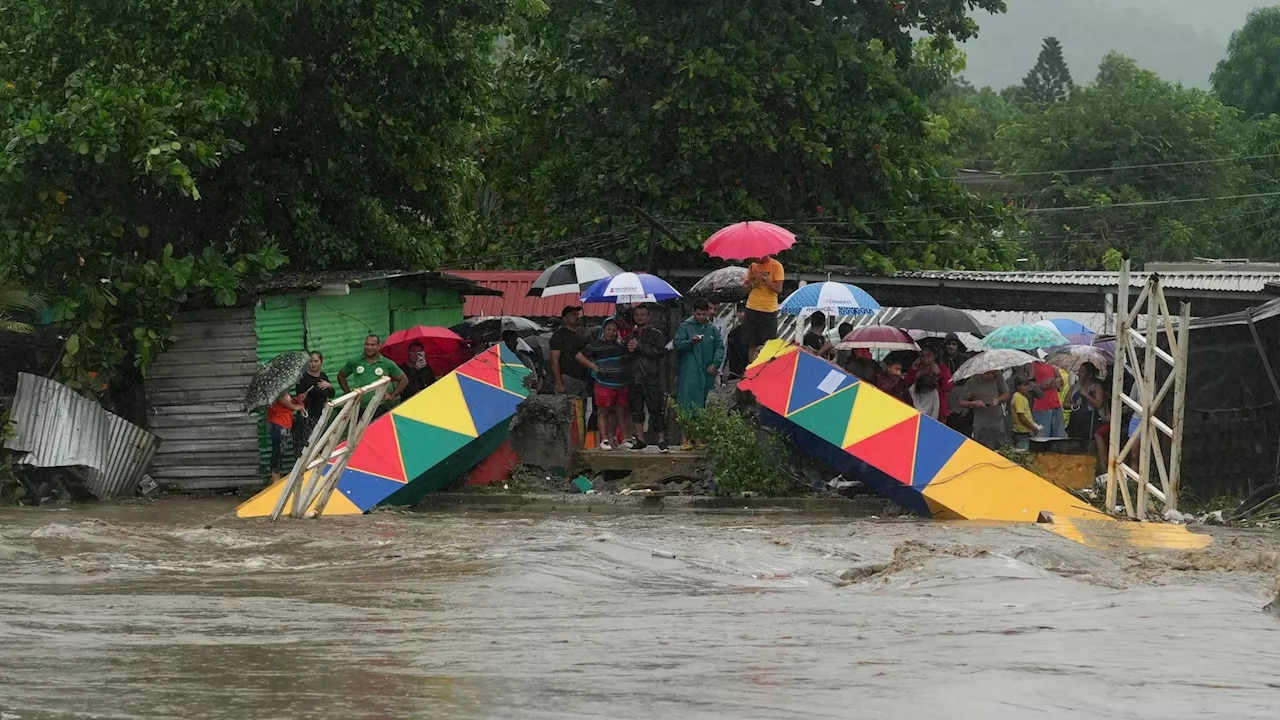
pixel 997 408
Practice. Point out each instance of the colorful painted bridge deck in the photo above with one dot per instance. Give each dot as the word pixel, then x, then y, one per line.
pixel 426 442
pixel 910 458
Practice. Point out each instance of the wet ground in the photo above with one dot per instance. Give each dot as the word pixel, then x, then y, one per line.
pixel 178 610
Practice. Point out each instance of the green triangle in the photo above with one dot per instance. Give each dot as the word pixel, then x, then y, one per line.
pixel 829 418
pixel 513 379
pixel 424 446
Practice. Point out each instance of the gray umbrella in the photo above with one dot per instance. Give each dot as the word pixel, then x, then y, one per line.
pixel 274 379
pixel 989 360
pixel 725 283
pixel 936 319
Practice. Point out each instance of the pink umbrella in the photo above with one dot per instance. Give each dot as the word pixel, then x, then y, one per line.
pixel 745 240
pixel 878 337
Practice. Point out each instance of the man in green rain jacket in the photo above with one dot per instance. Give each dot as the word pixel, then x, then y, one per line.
pixel 701 351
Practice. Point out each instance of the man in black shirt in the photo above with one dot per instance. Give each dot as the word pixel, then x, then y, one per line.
pixel 815 339
pixel 566 343
pixel 737 349
pixel 314 390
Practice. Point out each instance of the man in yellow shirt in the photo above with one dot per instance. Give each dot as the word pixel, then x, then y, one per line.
pixel 764 283
pixel 1024 426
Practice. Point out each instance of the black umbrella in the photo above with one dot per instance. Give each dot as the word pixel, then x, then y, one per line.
pixel 274 379
pixel 937 319
pixel 489 329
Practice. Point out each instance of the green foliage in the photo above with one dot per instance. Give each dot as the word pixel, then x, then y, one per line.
pixel 15 299
pixel 973 118
pixel 1249 76
pixel 1049 81
pixel 742 460
pixel 155 153
pixel 1130 120
pixel 11 491
pixel 709 113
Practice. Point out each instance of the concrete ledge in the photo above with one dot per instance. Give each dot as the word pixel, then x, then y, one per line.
pixel 623 504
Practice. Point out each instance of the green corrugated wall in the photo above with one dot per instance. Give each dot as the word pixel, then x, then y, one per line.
pixel 436 307
pixel 278 322
pixel 337 326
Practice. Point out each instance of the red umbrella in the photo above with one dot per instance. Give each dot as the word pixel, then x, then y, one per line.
pixel 878 337
pixel 745 240
pixel 445 349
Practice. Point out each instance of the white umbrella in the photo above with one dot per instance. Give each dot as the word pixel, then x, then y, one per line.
pixel 1072 357
pixel 989 360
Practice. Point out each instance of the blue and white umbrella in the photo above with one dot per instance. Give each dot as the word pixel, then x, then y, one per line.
pixel 1067 326
pixel 630 287
pixel 832 298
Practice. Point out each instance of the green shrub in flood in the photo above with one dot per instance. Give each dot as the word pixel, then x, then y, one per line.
pixel 743 459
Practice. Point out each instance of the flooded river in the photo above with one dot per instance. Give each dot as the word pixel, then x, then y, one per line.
pixel 179 610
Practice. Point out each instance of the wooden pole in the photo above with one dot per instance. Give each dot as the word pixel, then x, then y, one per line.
pixel 1148 385
pixel 1117 387
pixel 359 422
pixel 1179 406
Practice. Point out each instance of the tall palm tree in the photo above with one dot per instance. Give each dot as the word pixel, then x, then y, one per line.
pixel 14 298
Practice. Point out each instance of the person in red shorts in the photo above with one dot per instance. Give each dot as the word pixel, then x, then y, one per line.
pixel 606 357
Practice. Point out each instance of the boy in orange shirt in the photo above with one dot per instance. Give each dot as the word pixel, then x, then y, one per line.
pixel 279 423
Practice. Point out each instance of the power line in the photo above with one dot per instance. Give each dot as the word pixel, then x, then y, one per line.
pixel 1184 163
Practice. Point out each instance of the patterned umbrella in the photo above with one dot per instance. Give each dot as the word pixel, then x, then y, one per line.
pixel 572 276
pixel 937 319
pixel 877 337
pixel 630 288
pixel 832 298
pixel 274 379
pixel 1023 337
pixel 726 283
pixel 1070 358
pixel 746 240
pixel 991 360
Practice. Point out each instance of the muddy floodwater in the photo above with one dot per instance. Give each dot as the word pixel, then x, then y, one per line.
pixel 178 610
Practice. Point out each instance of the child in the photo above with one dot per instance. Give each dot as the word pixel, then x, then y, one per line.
pixel 279 423
pixel 607 359
pixel 1024 427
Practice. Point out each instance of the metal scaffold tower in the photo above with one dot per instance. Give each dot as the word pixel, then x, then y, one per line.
pixel 320 464
pixel 1140 351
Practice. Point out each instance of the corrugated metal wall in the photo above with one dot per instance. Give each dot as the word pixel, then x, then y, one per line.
pixel 194 393
pixel 57 428
pixel 436 307
pixel 280 326
pixel 337 326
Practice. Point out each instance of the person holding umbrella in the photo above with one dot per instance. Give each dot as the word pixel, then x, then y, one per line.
pixel 764 284
pixel 646 348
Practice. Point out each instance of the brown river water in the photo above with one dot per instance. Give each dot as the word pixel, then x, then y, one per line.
pixel 179 610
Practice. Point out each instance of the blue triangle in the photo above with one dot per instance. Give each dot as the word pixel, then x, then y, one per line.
pixel 488 405
pixel 365 490
pixel 810 372
pixel 507 356
pixel 935 444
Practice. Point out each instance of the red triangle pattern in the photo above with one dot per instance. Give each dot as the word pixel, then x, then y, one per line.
pixel 378 452
pixel 891 451
pixel 485 367
pixel 771 382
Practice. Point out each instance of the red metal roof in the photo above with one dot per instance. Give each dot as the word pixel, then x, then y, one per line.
pixel 514 286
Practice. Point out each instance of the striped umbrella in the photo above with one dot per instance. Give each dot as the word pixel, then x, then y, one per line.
pixel 832 298
pixel 1023 337
pixel 572 276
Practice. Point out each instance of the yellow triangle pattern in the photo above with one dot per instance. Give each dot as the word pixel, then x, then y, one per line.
pixel 263 503
pixel 773 349
pixel 441 405
pixel 873 412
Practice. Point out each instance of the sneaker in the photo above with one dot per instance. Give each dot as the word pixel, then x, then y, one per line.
pixel 606 445
pixel 635 444
pixel 627 445
pixel 662 448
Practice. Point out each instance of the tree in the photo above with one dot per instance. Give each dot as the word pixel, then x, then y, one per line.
pixel 973 118
pixel 1113 167
pixel 707 113
pixel 159 152
pixel 1249 76
pixel 1049 81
